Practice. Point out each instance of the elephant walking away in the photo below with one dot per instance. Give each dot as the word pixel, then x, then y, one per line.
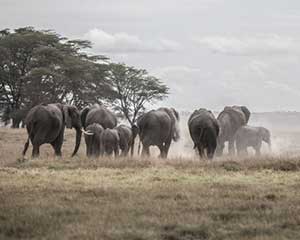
pixel 98 114
pixel 93 140
pixel 126 138
pixel 45 123
pixel 204 130
pixel 230 120
pixel 158 128
pixel 249 136
pixel 110 142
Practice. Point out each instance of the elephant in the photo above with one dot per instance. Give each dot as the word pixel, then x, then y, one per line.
pixel 158 128
pixel 126 138
pixel 249 136
pixel 98 114
pixel 110 142
pixel 204 130
pixel 230 120
pixel 93 142
pixel 45 123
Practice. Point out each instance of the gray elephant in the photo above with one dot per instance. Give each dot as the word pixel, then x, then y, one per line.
pixel 158 128
pixel 98 114
pixel 46 123
pixel 126 138
pixel 110 142
pixel 204 131
pixel 230 120
pixel 249 136
pixel 93 140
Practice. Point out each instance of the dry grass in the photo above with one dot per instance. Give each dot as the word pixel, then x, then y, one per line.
pixel 177 199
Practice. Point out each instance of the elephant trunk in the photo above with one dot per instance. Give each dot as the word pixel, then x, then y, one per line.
pixel 77 141
pixel 135 131
pixel 270 145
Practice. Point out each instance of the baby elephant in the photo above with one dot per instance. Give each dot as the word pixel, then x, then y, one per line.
pixel 110 142
pixel 249 136
pixel 93 141
pixel 126 139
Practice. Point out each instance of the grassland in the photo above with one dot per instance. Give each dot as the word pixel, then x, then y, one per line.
pixel 133 198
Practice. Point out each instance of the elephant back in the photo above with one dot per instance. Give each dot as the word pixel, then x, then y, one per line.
pixel 203 118
pixel 101 115
pixel 202 112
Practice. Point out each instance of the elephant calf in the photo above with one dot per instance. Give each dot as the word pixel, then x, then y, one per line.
pixel 93 142
pixel 249 136
pixel 126 138
pixel 110 142
pixel 204 130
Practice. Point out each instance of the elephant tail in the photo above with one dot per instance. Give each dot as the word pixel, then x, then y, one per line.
pixel 200 137
pixel 135 131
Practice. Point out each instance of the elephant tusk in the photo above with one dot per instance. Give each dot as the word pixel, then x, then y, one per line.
pixel 87 132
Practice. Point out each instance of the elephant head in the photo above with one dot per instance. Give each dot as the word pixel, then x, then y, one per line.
pixel 266 135
pixel 72 120
pixel 83 115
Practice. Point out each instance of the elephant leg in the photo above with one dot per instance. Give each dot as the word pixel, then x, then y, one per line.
pixel 200 150
pixel 57 144
pixel 162 151
pixel 57 149
pixel 220 148
pixel 166 147
pixel 116 151
pixel 126 150
pixel 257 151
pixel 88 150
pixel 210 152
pixel 97 148
pixel 37 141
pixel 146 150
pixel 35 151
pixel 231 149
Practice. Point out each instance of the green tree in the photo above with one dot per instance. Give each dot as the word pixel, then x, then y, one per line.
pixel 134 88
pixel 41 66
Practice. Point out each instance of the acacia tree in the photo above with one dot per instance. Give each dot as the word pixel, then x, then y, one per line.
pixel 41 66
pixel 134 88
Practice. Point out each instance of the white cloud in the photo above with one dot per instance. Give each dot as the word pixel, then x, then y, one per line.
pixel 251 45
pixel 125 43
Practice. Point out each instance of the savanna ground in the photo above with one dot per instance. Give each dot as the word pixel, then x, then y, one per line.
pixel 133 198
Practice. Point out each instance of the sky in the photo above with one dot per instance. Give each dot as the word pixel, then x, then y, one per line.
pixel 210 53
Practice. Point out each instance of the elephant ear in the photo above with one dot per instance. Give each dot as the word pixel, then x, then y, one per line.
pixel 176 114
pixel 83 115
pixel 176 135
pixel 246 112
pixel 67 117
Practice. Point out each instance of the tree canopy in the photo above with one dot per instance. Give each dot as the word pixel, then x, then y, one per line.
pixel 133 89
pixel 40 66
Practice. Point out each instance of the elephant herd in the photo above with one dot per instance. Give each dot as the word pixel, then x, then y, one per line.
pixel 210 133
pixel 45 123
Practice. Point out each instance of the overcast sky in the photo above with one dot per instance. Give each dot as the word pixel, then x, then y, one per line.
pixel 210 53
